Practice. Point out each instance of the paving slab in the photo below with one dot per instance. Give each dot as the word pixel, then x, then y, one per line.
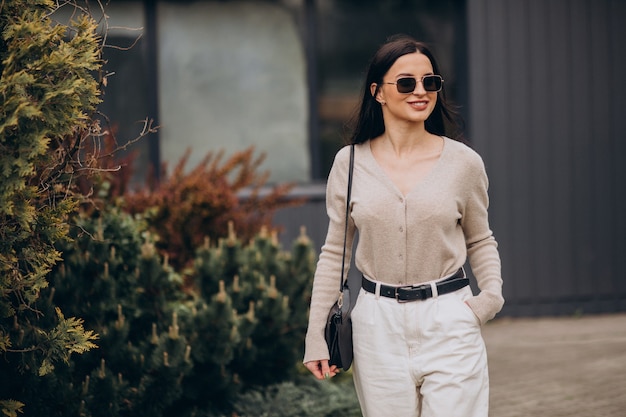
pixel 557 367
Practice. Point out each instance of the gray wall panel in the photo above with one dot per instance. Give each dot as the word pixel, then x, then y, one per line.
pixel 311 215
pixel 541 162
pixel 602 49
pixel 617 12
pixel 518 114
pixel 550 129
pixel 558 98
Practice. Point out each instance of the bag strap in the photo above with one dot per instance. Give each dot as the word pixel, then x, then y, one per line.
pixel 345 231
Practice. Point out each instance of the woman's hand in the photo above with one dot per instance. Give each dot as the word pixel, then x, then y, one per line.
pixel 321 370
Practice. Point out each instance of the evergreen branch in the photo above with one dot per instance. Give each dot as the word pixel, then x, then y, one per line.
pixel 28 350
pixel 125 48
pixel 10 408
pixel 5 342
pixel 147 129
pixel 91 169
pixel 67 337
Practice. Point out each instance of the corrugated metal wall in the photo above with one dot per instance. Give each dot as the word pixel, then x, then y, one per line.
pixel 547 112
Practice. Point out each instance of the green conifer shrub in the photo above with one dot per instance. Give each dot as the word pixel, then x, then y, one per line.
pixel 48 95
pixel 167 347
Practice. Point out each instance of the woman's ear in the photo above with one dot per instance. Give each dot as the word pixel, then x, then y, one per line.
pixel 376 93
pixel 373 89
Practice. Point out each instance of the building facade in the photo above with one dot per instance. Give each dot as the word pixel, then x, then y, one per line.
pixel 540 84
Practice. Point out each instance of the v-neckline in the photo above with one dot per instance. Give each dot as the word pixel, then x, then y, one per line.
pixel 420 182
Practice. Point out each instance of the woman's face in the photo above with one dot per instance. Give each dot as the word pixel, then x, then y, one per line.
pixel 413 107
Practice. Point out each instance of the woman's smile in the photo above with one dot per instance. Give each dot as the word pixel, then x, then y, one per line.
pixel 419 104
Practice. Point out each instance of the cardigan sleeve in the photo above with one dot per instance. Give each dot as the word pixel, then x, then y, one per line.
pixel 482 248
pixel 328 271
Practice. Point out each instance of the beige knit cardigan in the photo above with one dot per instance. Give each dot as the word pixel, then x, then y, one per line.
pixel 407 239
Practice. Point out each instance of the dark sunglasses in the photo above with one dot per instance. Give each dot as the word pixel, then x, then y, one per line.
pixel 431 83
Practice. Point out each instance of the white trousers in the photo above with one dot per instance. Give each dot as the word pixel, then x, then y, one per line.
pixel 423 358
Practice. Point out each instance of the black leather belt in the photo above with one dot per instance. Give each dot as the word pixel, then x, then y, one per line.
pixel 418 292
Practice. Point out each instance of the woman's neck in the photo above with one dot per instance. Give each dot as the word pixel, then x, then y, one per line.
pixel 406 139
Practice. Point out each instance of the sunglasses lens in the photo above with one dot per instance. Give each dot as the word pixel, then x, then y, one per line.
pixel 432 83
pixel 405 85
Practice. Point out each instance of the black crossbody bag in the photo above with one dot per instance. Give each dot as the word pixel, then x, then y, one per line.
pixel 338 330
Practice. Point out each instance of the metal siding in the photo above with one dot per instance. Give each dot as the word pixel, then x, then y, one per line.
pixel 518 98
pixel 546 106
pixel 601 198
pixel 541 163
pixel 492 143
pixel 478 53
pixel 580 103
pixel 617 80
pixel 559 178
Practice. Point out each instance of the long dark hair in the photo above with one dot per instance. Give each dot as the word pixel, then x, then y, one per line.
pixel 368 122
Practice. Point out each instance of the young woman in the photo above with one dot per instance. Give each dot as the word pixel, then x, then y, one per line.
pixel 419 203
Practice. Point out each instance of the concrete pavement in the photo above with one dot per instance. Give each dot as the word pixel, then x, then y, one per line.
pixel 557 367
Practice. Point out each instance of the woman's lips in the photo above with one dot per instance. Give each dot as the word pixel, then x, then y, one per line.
pixel 419 104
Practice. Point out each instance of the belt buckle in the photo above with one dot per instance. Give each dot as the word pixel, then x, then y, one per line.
pixel 420 292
